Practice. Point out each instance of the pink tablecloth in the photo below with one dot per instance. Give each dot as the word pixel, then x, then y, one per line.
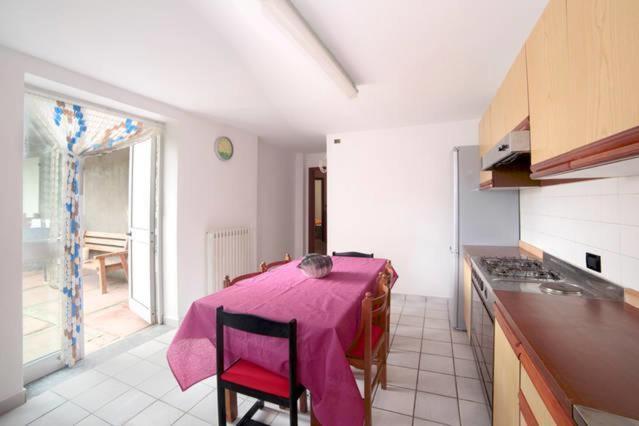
pixel 327 312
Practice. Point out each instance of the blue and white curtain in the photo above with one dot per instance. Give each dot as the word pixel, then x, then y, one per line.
pixel 79 132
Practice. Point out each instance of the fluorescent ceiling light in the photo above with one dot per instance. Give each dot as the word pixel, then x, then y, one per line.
pixel 288 18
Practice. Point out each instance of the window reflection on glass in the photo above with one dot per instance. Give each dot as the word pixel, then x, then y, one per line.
pixel 42 227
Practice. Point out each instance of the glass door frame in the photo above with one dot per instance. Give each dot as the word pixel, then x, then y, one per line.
pixel 47 364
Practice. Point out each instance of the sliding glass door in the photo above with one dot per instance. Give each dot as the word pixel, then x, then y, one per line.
pixel 42 248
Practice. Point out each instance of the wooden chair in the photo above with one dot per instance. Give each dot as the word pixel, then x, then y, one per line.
pixel 370 344
pixel 268 266
pixel 229 282
pixel 391 273
pixel 115 253
pixel 232 407
pixel 353 254
pixel 250 379
pixel 387 282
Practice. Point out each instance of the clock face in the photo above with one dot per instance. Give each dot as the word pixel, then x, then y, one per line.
pixel 223 148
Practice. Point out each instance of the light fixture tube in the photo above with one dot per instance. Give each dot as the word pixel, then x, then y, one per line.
pixel 288 18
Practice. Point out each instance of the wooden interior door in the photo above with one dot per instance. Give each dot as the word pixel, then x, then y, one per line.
pixel 317 211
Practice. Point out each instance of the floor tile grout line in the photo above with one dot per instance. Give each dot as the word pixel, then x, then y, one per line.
pixel 48 411
pixel 95 413
pixel 419 360
pixel 455 371
pixel 391 411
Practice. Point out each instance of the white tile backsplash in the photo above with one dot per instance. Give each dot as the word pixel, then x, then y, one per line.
pixel 598 216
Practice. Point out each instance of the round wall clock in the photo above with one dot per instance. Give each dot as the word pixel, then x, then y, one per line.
pixel 223 148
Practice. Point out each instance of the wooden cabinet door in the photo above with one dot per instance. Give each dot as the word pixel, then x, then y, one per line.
pixel 526 416
pixel 536 404
pixel 505 381
pixel 548 80
pixel 468 294
pixel 603 49
pixel 510 107
pixel 485 142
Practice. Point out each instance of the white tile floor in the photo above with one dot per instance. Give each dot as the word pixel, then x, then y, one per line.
pixel 431 381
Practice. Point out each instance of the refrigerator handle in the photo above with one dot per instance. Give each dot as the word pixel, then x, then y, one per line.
pixel 454 248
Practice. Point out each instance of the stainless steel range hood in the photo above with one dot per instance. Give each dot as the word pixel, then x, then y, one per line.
pixel 513 146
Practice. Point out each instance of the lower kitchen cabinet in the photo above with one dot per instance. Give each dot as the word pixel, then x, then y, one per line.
pixel 506 378
pixel 526 416
pixel 521 396
pixel 468 290
pixel 540 406
pixel 538 412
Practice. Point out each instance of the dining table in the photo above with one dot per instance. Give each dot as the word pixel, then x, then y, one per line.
pixel 327 311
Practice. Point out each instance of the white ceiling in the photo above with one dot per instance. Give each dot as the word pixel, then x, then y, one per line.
pixel 414 61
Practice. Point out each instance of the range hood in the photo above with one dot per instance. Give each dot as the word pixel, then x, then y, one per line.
pixel 507 151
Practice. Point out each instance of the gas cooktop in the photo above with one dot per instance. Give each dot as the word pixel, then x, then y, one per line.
pixel 550 276
pixel 519 269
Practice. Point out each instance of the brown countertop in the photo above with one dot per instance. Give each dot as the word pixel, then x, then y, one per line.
pixel 586 349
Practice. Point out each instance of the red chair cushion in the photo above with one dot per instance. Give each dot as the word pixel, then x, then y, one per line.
pixel 253 376
pixel 376 334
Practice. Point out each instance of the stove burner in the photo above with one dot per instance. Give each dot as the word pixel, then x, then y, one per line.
pixel 560 288
pixel 519 269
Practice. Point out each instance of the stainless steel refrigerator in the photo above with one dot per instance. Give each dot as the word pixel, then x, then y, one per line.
pixel 479 218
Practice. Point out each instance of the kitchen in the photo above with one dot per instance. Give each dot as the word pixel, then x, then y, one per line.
pixel 481 211
pixel 554 337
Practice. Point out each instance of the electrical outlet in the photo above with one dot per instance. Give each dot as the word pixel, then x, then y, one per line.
pixel 593 261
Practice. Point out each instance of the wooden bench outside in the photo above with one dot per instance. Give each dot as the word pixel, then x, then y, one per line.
pixel 115 253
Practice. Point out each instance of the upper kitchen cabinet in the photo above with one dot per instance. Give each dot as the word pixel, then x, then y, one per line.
pixel 547 59
pixel 485 143
pixel 509 109
pixel 583 63
pixel 507 112
pixel 603 40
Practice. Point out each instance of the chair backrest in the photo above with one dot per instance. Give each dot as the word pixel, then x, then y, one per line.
pixel 353 254
pixel 229 282
pixel 374 311
pixel 384 279
pixel 257 325
pixel 391 273
pixel 105 241
pixel 268 266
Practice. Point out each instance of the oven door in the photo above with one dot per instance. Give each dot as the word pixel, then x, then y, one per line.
pixel 482 335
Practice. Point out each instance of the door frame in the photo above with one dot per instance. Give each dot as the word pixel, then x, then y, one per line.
pixel 41 367
pixel 316 173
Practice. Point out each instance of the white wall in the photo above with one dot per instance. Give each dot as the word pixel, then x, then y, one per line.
pixel 390 193
pixel 599 216
pixel 11 135
pixel 211 195
pixel 200 193
pixel 276 198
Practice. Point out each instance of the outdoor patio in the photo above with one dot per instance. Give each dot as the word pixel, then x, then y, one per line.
pixel 107 316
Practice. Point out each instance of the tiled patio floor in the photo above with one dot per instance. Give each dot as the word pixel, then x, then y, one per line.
pixel 107 316
pixel 432 381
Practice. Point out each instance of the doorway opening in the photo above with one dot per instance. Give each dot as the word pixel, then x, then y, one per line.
pixel 105 250
pixel 317 220
pixel 116 227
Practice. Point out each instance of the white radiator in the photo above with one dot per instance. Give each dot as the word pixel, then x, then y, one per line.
pixel 228 252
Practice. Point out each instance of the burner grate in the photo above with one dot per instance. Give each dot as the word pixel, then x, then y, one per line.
pixel 519 269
